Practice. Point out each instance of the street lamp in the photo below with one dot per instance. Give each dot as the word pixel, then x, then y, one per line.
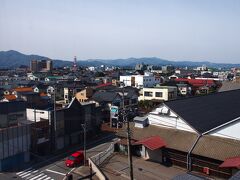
pixel 128 134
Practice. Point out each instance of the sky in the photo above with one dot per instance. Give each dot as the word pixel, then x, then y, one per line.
pixel 204 30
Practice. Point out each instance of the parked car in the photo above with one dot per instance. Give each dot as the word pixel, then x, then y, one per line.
pixel 75 159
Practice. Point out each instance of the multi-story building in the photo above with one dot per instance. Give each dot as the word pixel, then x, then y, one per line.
pixel 161 93
pixel 140 81
pixel 41 66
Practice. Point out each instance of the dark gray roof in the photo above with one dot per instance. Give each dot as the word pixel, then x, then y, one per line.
pixel 235 176
pixel 105 96
pixel 204 113
pixel 188 177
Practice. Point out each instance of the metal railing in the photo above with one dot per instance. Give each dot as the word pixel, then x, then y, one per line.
pixel 99 158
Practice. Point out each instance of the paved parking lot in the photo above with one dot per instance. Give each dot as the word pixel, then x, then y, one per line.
pixel 117 168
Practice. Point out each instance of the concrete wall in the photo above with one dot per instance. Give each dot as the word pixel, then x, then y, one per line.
pixel 14 140
pixel 97 170
pixel 170 120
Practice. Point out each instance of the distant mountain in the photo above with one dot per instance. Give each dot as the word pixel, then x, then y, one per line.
pixel 13 59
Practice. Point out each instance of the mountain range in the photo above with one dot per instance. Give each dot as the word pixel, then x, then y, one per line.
pixel 13 59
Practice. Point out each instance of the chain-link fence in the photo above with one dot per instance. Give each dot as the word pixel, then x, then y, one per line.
pixel 99 158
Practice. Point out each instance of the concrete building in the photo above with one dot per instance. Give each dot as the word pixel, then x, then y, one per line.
pixel 160 93
pixel 41 66
pixel 140 81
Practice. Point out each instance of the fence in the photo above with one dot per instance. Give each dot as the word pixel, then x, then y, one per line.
pixel 99 158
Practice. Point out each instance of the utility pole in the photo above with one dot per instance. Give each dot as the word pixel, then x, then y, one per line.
pixel 84 140
pixel 125 119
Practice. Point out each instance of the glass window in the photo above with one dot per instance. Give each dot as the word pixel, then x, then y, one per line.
pixel 147 93
pixel 158 94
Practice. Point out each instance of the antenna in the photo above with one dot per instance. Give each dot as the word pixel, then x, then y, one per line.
pixel 75 64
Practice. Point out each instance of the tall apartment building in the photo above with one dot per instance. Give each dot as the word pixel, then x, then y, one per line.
pixel 41 66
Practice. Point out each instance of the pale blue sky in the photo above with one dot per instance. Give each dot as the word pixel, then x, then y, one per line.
pixel 169 29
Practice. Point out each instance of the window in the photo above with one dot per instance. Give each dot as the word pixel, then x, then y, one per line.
pixel 147 93
pixel 158 94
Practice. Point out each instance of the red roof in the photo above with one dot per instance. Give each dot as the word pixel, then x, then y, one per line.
pixel 10 97
pixel 154 142
pixel 196 82
pixel 23 89
pixel 231 162
pixel 103 85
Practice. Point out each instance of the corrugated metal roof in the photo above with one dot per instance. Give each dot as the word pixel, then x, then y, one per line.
pixel 154 142
pixel 205 113
pixel 231 162
pixel 208 146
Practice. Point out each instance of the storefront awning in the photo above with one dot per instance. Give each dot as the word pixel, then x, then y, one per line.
pixel 154 142
pixel 231 162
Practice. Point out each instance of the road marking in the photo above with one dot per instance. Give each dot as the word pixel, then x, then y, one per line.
pixel 49 170
pixel 47 178
pixel 72 170
pixel 23 174
pixel 37 176
pixel 42 177
pixel 23 171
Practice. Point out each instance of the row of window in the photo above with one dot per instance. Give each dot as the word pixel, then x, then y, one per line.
pixel 150 94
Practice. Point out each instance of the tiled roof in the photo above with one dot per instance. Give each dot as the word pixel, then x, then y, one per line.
pixel 104 96
pixel 188 177
pixel 23 89
pixel 208 146
pixel 10 97
pixel 229 85
pixel 205 113
pixel 235 176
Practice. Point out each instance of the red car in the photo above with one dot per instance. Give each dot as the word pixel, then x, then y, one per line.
pixel 75 159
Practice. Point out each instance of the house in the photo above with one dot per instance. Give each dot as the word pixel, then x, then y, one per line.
pixel 19 90
pixel 201 133
pixel 9 98
pixel 201 86
pixel 67 128
pixel 158 93
pixel 40 122
pixel 84 94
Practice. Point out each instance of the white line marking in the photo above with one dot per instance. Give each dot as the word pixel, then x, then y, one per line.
pixel 23 171
pixel 26 175
pixel 47 178
pixel 32 174
pixel 72 170
pixel 55 172
pixel 23 174
pixel 37 176
pixel 42 177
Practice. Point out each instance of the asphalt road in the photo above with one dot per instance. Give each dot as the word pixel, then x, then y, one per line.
pixel 53 168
